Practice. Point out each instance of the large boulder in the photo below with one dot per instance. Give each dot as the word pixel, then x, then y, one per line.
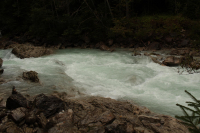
pixel 31 75
pixel 49 105
pixel 16 101
pixel 28 50
pixel 172 61
pixel 1 62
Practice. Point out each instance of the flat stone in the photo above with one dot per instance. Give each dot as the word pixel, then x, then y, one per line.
pixel 18 114
pixel 150 119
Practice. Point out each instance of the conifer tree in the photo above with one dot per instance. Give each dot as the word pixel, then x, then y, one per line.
pixel 191 116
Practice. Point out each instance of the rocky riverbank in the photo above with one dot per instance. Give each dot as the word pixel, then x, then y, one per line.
pixel 61 114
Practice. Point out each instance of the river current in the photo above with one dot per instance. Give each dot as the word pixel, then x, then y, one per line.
pixel 117 75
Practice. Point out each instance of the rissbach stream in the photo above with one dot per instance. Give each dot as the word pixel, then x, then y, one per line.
pixel 117 75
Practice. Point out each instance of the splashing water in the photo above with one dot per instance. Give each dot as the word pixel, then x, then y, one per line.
pixel 116 75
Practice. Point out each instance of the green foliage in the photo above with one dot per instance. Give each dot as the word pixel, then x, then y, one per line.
pixel 191 116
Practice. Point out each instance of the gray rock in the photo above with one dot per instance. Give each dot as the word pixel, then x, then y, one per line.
pixel 28 50
pixel 31 75
pixel 18 114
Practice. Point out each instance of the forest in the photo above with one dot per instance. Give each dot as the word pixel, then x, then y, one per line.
pixel 53 21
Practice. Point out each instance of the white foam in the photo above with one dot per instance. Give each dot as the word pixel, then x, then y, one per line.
pixel 117 75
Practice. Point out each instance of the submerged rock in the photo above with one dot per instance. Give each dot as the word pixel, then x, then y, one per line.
pixel 1 62
pixel 31 75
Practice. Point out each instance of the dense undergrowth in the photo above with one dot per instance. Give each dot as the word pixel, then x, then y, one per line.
pixel 128 21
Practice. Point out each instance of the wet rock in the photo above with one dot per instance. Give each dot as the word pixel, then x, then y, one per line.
pixel 1 62
pixel 28 50
pixel 16 101
pixel 18 114
pixel 50 105
pixel 31 75
pixel 1 71
pixel 156 60
pixel 172 61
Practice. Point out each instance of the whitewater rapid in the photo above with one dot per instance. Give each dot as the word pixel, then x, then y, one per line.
pixel 117 75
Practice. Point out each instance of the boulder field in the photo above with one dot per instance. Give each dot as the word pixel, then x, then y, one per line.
pixel 58 113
